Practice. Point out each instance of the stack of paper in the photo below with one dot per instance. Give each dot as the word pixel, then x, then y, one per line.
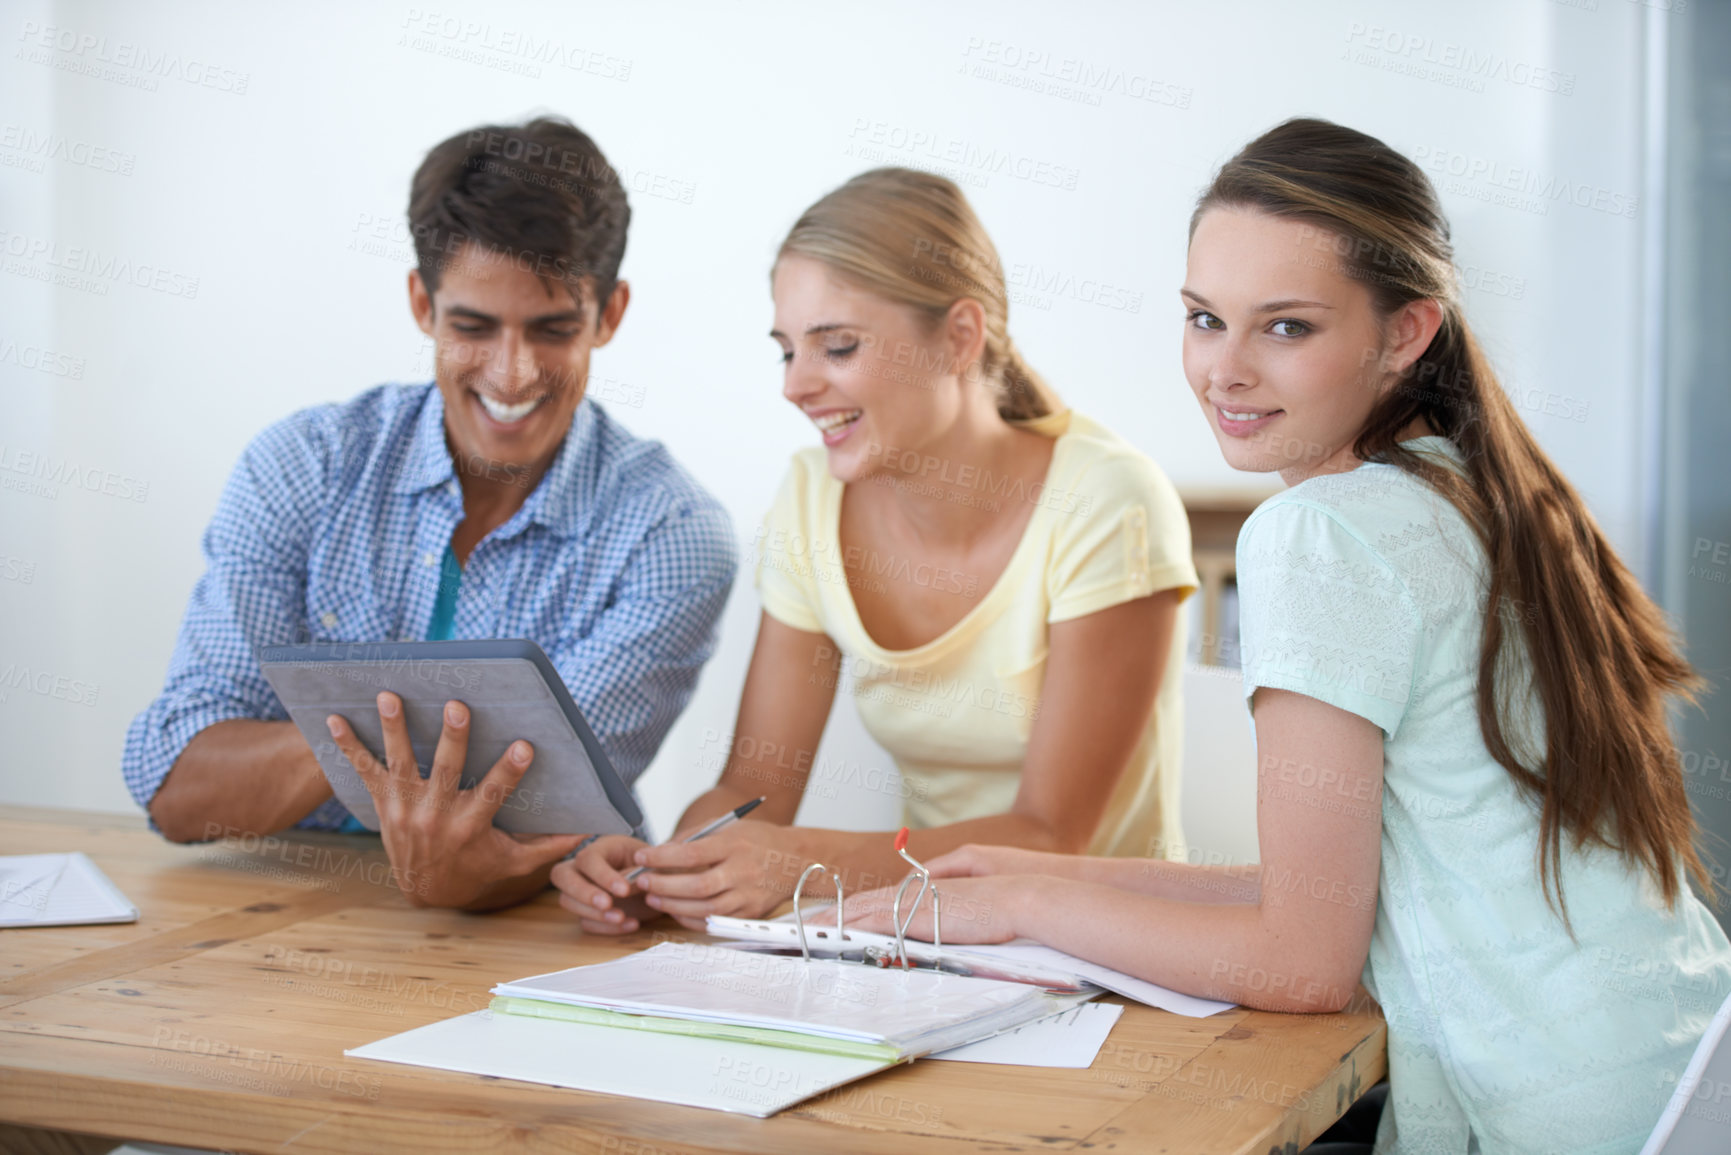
pixel 899 1013
pixel 1070 1038
pixel 709 1026
pixel 1027 952
pixel 58 890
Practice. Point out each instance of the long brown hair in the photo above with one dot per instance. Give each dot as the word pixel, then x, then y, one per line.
pixel 1604 661
pixel 911 237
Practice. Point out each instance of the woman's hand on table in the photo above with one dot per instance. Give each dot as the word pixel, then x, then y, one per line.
pixel 592 886
pixel 973 910
pixel 745 870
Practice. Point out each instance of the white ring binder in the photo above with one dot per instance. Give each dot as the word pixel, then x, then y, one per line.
pixel 901 925
pixel 799 919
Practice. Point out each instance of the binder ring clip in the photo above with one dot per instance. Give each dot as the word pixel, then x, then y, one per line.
pixel 799 920
pixel 901 925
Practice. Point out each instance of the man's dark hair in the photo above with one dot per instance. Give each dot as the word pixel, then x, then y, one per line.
pixel 539 194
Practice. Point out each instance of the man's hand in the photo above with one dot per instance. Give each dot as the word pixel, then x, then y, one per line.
pixel 973 910
pixel 592 886
pixel 745 870
pixel 443 845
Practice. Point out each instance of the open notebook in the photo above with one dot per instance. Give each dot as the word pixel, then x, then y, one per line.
pixel 708 1026
pixel 58 890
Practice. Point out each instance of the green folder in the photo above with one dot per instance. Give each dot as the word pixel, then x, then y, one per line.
pixel 793 1040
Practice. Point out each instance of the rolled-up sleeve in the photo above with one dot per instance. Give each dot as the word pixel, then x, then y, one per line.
pixel 634 671
pixel 252 593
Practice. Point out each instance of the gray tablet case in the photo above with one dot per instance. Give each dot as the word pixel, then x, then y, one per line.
pixel 512 692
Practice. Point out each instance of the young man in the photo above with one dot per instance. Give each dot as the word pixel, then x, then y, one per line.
pixel 492 503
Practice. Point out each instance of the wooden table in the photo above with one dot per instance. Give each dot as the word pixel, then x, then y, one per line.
pixel 219 1020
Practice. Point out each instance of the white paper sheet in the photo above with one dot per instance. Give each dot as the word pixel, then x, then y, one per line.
pixel 1028 951
pixel 744 1078
pixel 1069 1038
pixel 58 890
pixel 26 881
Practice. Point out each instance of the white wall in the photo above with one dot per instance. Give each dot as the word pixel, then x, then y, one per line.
pixel 729 118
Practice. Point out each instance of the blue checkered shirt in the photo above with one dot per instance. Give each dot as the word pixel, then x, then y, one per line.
pixel 333 526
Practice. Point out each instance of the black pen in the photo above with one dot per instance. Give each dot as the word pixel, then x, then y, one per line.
pixel 727 819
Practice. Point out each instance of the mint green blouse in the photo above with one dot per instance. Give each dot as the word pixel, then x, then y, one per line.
pixel 1365 590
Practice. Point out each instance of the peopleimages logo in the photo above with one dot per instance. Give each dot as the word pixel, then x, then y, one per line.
pixel 882 140
pixel 40 359
pixel 47 684
pixel 44 146
pixel 86 52
pixel 84 262
pixel 1067 77
pixel 482 42
pixel 1039 280
pixel 40 473
pixel 1423 55
pixel 908 466
pixel 1543 188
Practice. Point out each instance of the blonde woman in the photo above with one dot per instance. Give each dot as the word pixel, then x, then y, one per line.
pixel 995 578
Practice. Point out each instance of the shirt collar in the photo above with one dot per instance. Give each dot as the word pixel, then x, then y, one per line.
pixel 566 495
pixel 560 502
pixel 427 461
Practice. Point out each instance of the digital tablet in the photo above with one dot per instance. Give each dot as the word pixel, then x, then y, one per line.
pixel 512 692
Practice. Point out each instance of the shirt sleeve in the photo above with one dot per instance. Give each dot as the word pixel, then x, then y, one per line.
pixel 782 554
pixel 1122 534
pixel 1324 615
pixel 634 671
pixel 252 593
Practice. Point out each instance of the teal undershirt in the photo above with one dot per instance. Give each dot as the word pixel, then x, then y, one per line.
pixel 444 622
pixel 439 629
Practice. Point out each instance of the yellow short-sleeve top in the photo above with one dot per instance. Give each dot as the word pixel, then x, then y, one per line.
pixel 956 713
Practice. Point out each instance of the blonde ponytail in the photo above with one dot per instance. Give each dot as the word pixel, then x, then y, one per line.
pixel 1022 394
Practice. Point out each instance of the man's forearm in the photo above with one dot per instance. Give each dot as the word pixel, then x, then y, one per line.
pixel 239 776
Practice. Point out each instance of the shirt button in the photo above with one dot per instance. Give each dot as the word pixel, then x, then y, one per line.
pixel 429 559
pixel 455 488
pixel 328 620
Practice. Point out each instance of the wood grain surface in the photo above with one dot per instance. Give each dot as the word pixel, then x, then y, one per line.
pixel 219 1020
